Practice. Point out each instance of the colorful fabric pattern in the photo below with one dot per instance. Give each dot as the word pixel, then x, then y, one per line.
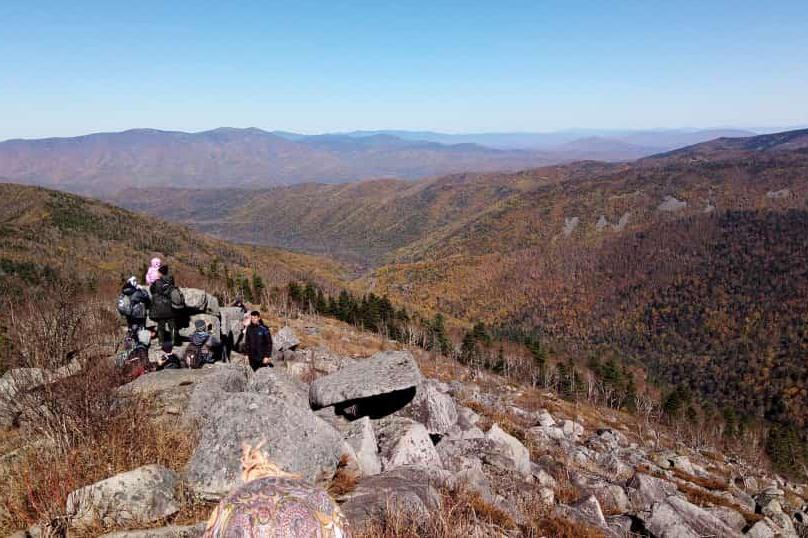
pixel 277 507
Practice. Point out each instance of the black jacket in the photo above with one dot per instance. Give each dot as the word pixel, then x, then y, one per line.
pixel 258 341
pixel 161 298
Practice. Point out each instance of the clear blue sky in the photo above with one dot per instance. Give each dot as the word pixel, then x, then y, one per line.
pixel 76 67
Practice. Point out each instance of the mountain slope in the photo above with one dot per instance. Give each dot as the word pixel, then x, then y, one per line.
pixel 236 158
pixel 690 264
pixel 47 235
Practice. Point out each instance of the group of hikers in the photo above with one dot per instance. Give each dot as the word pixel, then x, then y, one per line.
pixel 162 302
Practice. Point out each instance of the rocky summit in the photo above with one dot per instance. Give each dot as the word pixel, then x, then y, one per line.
pixel 410 443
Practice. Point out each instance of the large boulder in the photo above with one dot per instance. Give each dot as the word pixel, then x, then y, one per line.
pixel 14 383
pixel 140 496
pixel 230 321
pixel 411 490
pixel 386 373
pixel 277 383
pixel 285 339
pixel 294 439
pixel 433 408
pixel 512 450
pixel 184 392
pixel 199 301
pixel 677 518
pixel 360 436
pixel 405 442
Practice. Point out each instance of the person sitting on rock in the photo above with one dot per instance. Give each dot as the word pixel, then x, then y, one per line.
pixel 272 502
pixel 168 360
pixel 257 342
pixel 209 346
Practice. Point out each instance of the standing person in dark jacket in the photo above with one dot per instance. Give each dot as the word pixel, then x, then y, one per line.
pixel 162 311
pixel 140 301
pixel 257 342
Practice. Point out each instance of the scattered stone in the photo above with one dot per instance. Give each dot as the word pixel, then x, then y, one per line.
pixel 779 195
pixel 405 442
pixel 572 430
pixel 588 510
pixel 602 223
pixel 570 223
pixel 544 418
pixel 645 490
pixel 384 373
pixel 764 528
pixel 671 204
pixel 295 439
pixel 140 496
pixel 731 518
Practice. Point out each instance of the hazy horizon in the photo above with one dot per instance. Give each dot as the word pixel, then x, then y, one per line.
pixel 316 67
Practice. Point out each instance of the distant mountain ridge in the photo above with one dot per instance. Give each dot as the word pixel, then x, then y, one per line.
pixel 253 158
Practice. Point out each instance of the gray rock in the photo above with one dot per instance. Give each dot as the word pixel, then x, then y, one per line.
pixel 588 510
pixel 645 490
pixel 383 373
pixel 295 439
pixel 196 300
pixel 172 393
pixel 362 439
pixel 675 518
pixel 411 490
pixel 462 455
pixel 542 477
pixel 544 418
pixel 731 518
pixel 764 528
pixel 512 449
pixel 140 496
pixel 432 408
pixel 172 531
pixel 13 384
pixel 326 362
pixel 405 442
pixel 778 195
pixel 275 382
pixel 230 320
pixel 285 339
pixel 572 430
pixel 671 204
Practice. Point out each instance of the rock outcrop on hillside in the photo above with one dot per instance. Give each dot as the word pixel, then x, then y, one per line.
pixel 408 438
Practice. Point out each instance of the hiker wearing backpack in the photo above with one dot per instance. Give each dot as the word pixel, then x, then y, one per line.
pixel 202 346
pixel 166 300
pixel 168 359
pixel 257 342
pixel 133 303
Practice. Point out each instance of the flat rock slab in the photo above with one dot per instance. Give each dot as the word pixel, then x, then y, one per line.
pixel 383 373
pixel 275 382
pixel 295 439
pixel 143 495
pixel 677 518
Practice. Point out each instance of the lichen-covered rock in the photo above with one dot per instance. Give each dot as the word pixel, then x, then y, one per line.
pixel 433 408
pixel 405 442
pixel 295 439
pixel 140 496
pixel 645 490
pixel 383 373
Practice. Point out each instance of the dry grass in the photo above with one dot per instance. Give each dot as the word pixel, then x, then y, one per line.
pixel 509 422
pixel 345 479
pixel 708 483
pixel 700 497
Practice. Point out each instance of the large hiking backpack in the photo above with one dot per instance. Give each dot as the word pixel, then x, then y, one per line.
pixel 137 363
pixel 193 356
pixel 138 311
pixel 177 298
pixel 124 305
